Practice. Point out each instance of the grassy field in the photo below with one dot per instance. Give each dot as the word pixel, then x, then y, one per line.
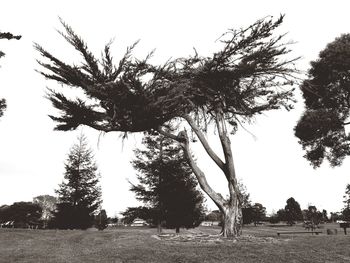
pixel 258 244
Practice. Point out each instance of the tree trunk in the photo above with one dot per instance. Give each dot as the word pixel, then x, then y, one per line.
pixel 232 221
pixel 231 208
pixel 159 227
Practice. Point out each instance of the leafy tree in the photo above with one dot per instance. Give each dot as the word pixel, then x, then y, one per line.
pixel 167 185
pixel 214 215
pixel 79 194
pixel 313 215
pixel 274 218
pixel 48 206
pixel 259 213
pixel 245 78
pixel 293 211
pixel 282 215
pixel 321 128
pixel 23 214
pixel 7 36
pixel 324 216
pixel 101 220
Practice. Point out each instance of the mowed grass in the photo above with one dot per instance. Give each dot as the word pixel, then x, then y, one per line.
pixel 139 245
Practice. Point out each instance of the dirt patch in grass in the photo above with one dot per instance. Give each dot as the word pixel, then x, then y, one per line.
pixel 205 238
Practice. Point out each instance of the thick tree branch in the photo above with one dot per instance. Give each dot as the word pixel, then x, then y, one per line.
pixel 230 172
pixel 217 199
pixel 168 134
pixel 205 143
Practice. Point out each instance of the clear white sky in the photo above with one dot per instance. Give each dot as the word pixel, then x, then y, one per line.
pixel 271 164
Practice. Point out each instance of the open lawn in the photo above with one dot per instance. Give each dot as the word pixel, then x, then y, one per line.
pixel 258 244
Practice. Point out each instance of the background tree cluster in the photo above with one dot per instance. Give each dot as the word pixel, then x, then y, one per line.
pixel 21 214
pixel 292 213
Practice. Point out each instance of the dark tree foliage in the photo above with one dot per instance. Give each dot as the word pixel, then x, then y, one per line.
pixel 166 184
pixel 321 129
pixel 313 215
pixel 145 213
pixel 258 213
pixel 101 220
pixel 68 216
pixel 292 211
pixel 248 76
pixel 242 80
pixel 79 194
pixel 7 36
pixel 214 215
pixel 2 107
pixel 274 219
pixel 24 214
pixel 346 209
pixel 282 215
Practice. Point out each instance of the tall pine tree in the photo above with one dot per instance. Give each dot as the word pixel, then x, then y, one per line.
pixel 167 186
pixel 79 194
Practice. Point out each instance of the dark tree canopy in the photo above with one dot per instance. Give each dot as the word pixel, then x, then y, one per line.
pixel 2 106
pixel 258 213
pixel 246 77
pixel 321 129
pixel 166 184
pixel 293 211
pixel 23 214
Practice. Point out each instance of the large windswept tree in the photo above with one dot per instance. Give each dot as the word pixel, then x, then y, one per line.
pixel 249 75
pixel 7 36
pixel 322 127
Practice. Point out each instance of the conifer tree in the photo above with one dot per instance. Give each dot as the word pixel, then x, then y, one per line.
pixel 79 194
pixel 167 185
pixel 249 75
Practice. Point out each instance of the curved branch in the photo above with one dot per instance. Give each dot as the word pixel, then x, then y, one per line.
pixel 217 198
pixel 205 143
